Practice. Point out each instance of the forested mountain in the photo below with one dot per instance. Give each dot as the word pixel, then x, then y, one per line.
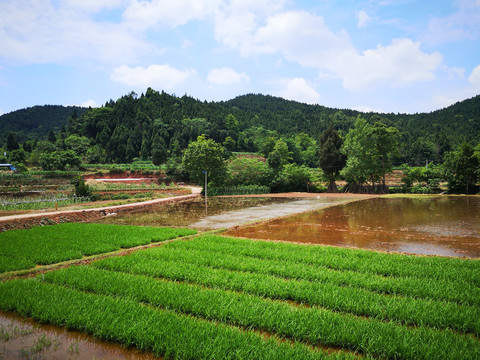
pixel 37 121
pixel 133 126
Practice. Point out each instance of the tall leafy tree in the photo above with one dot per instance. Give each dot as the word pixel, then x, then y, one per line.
pixel 159 150
pixel 280 156
pixel 461 167
pixel 12 143
pixel 331 159
pixel 205 155
pixel 369 150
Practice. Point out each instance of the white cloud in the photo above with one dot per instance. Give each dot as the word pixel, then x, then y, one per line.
pixel 94 5
pixel 461 25
pixel 143 14
pixel 297 89
pixel 39 32
pixel 304 38
pixel 398 64
pixel 226 76
pixel 89 103
pixel 474 78
pixel 363 19
pixel 155 76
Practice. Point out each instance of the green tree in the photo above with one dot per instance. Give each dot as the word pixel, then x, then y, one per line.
pixel 249 171
pixel 461 169
pixel 17 156
pixel 292 177
pixel 331 158
pixel 205 155
pixel 12 143
pixel 51 137
pixel 229 144
pixel 232 126
pixel 280 156
pixel 159 151
pixel 79 144
pixel 369 149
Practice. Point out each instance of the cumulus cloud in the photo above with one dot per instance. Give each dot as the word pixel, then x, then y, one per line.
pixel 159 76
pixel 363 19
pixel 89 103
pixel 474 78
pixel 398 64
pixel 226 76
pixel 297 89
pixel 304 38
pixel 41 31
pixel 143 14
pixel 463 24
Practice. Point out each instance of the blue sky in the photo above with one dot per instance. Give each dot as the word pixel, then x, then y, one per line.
pixel 372 55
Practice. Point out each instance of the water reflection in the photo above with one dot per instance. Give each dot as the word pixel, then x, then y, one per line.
pixel 446 225
pixel 26 339
pixel 215 213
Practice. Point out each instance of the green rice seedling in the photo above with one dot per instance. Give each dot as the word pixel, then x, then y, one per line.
pixel 163 332
pixel 52 244
pixel 313 325
pixel 394 265
pixel 416 287
pixel 357 301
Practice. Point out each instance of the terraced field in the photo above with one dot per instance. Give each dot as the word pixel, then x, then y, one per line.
pixel 218 297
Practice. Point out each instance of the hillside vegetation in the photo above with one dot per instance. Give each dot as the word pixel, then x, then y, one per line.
pixel 248 120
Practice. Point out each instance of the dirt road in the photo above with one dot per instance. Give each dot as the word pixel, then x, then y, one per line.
pixel 25 221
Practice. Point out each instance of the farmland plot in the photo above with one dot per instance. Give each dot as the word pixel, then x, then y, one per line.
pixel 219 297
pixel 24 249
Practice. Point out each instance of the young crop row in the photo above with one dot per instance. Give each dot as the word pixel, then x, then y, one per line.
pixel 40 203
pixel 313 325
pixel 405 310
pixel 111 186
pixel 165 333
pixel 52 244
pixel 364 261
pixel 419 288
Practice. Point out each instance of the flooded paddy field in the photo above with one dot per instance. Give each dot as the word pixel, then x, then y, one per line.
pixel 26 339
pixel 221 212
pixel 433 225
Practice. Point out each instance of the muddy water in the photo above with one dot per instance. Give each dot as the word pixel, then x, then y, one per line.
pixel 443 225
pixel 219 212
pixel 25 339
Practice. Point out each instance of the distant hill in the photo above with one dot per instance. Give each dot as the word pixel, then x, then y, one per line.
pixel 128 126
pixel 36 121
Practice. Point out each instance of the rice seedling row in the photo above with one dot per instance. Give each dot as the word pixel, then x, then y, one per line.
pixel 312 325
pixel 53 244
pixel 357 301
pixel 163 332
pixel 422 288
pixel 364 261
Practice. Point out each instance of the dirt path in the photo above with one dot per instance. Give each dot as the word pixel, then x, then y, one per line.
pixel 24 221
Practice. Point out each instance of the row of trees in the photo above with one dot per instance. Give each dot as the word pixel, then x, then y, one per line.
pixel 362 158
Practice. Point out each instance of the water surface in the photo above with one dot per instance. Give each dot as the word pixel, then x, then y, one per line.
pixel 441 225
pixel 26 339
pixel 219 212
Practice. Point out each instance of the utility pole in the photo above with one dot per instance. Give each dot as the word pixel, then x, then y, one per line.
pixel 205 183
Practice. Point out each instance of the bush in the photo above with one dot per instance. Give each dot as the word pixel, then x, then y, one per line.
pixel 81 189
pixel 248 171
pixel 293 178
pixel 238 190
